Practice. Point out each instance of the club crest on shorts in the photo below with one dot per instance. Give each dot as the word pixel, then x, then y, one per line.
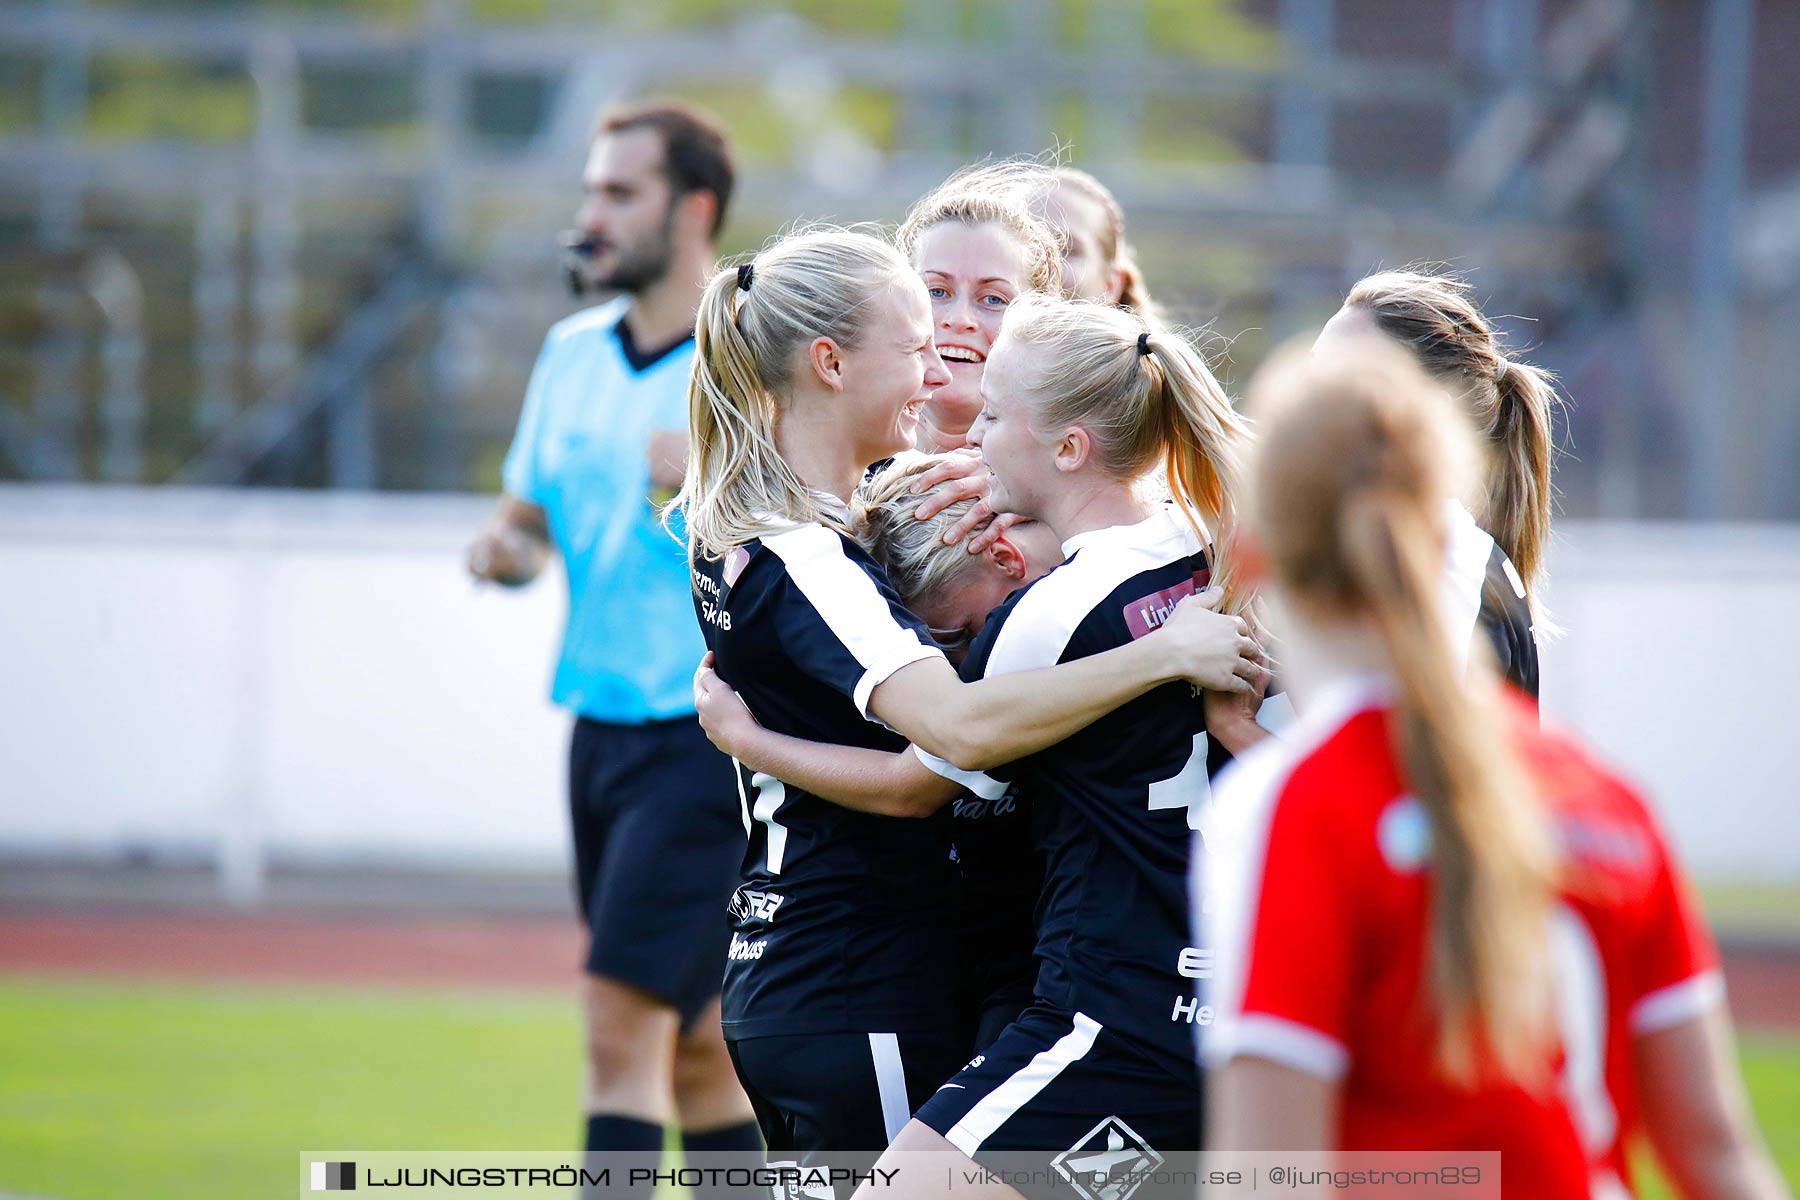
pixel 1110 1162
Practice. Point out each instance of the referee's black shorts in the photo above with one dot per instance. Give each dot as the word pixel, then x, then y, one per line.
pixel 658 844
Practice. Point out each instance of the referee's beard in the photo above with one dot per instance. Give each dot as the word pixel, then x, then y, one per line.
pixel 641 266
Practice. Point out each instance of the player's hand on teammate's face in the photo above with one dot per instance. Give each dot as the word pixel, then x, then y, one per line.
pixel 962 476
pixel 723 714
pixel 957 475
pixel 1215 649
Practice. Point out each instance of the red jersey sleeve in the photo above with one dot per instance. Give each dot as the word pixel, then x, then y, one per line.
pixel 1287 930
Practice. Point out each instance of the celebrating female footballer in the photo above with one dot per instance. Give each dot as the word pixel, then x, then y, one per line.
pixel 1098 262
pixel 812 362
pixel 1082 404
pixel 1496 561
pixel 977 250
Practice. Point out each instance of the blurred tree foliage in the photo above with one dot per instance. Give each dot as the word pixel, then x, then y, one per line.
pixel 1214 30
pixel 868 17
pixel 140 96
pixel 385 10
pixel 18 92
pixel 1208 29
pixel 1197 129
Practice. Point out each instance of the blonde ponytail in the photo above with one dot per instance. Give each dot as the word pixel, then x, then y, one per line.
pixel 1490 855
pixel 1519 493
pixel 1206 440
pixel 1355 463
pixel 1146 407
pixel 753 323
pixel 1511 402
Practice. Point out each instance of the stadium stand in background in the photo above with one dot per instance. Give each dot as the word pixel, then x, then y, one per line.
pixel 309 243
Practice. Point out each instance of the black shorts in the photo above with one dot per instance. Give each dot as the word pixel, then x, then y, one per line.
pixel 839 1098
pixel 658 844
pixel 1058 1083
pixel 1000 1007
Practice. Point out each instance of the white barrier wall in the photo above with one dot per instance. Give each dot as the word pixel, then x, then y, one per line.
pixel 311 675
pixel 307 672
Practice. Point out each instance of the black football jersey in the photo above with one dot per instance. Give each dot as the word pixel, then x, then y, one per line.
pixel 1114 806
pixel 842 921
pixel 1002 874
pixel 1485 593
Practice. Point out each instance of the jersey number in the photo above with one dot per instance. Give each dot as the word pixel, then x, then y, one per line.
pixel 1581 1020
pixel 770 792
pixel 1188 789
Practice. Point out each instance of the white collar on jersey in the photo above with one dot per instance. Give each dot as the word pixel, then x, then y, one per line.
pixel 1151 524
pixel 1338 699
pixel 825 500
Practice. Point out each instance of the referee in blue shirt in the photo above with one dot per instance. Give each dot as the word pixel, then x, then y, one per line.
pixel 655 808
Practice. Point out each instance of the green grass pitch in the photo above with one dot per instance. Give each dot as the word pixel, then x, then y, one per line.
pixel 191 1092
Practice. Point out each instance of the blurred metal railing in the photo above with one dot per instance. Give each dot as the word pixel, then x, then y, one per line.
pixel 330 383
pixel 1541 181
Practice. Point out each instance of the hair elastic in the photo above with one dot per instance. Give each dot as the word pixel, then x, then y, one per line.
pixel 745 273
pixel 1144 342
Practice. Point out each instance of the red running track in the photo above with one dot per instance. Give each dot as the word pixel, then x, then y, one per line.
pixel 499 952
pixel 531 952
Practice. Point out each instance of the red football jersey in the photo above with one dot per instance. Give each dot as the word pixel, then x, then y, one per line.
pixel 1316 899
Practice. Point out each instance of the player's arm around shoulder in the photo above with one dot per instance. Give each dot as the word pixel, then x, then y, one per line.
pixel 882 782
pixel 513 547
pixel 1025 703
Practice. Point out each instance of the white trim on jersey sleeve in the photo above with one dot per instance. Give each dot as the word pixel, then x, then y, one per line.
pixel 1669 1006
pixel 1040 624
pixel 1465 572
pixel 998 1106
pixel 878 673
pixel 850 604
pixel 1289 1043
pixel 982 784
